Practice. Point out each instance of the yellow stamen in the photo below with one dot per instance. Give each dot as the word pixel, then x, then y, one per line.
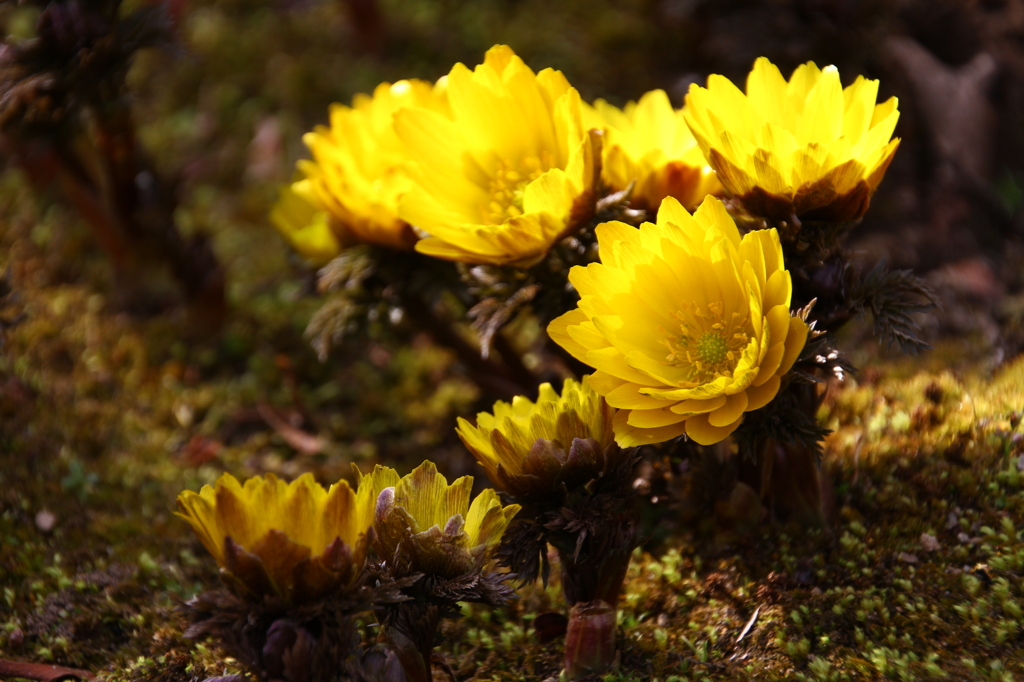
pixel 708 342
pixel 508 184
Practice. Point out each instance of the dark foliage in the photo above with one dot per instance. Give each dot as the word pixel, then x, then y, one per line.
pixel 276 640
pixel 786 420
pixel 893 297
pixel 592 525
pixel 410 626
pixel 66 119
pixel 77 61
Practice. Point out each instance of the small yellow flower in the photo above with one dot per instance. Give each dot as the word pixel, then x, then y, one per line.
pixel 355 178
pixel 650 142
pixel 294 540
pixel 423 521
pixel 497 182
pixel 530 448
pixel 687 324
pixel 805 147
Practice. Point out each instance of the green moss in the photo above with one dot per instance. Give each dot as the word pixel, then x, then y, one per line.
pixel 106 419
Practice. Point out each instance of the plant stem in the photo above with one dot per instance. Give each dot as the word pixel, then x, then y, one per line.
pixel 591 583
pixel 409 631
pixel 514 361
pixel 590 639
pixel 491 377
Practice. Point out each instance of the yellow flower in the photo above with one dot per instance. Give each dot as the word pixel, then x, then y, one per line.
pixel 650 142
pixel 303 224
pixel 355 178
pixel 294 540
pixel 497 182
pixel 531 448
pixel 687 324
pixel 431 526
pixel 806 147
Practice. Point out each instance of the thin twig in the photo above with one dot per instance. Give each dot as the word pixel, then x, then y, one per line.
pixel 304 443
pixel 41 671
pixel 749 626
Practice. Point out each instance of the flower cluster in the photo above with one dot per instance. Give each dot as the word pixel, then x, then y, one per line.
pixel 495 165
pixel 695 323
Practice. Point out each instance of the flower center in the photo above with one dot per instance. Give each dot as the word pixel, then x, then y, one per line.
pixel 712 348
pixel 708 342
pixel 508 185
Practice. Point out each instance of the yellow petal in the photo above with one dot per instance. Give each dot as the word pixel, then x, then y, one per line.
pixel 628 396
pixel 703 432
pixel 653 419
pixel 795 341
pixel 759 396
pixel 629 436
pixel 729 413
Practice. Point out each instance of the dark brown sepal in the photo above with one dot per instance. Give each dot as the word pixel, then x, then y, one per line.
pixel 818 201
pixel 410 627
pixel 443 552
pixel 585 461
pixel 377 664
pixel 550 468
pixel 590 518
pixel 815 202
pixel 277 565
pixel 544 461
pixel 325 574
pixel 248 572
pixel 288 652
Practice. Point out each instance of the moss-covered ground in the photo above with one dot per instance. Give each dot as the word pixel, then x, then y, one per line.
pixel 106 417
pixel 105 414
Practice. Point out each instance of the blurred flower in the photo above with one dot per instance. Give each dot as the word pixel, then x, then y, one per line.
pixel 532 448
pixel 294 540
pixel 306 227
pixel 355 178
pixel 687 324
pixel 806 147
pixel 432 526
pixel 499 180
pixel 650 142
